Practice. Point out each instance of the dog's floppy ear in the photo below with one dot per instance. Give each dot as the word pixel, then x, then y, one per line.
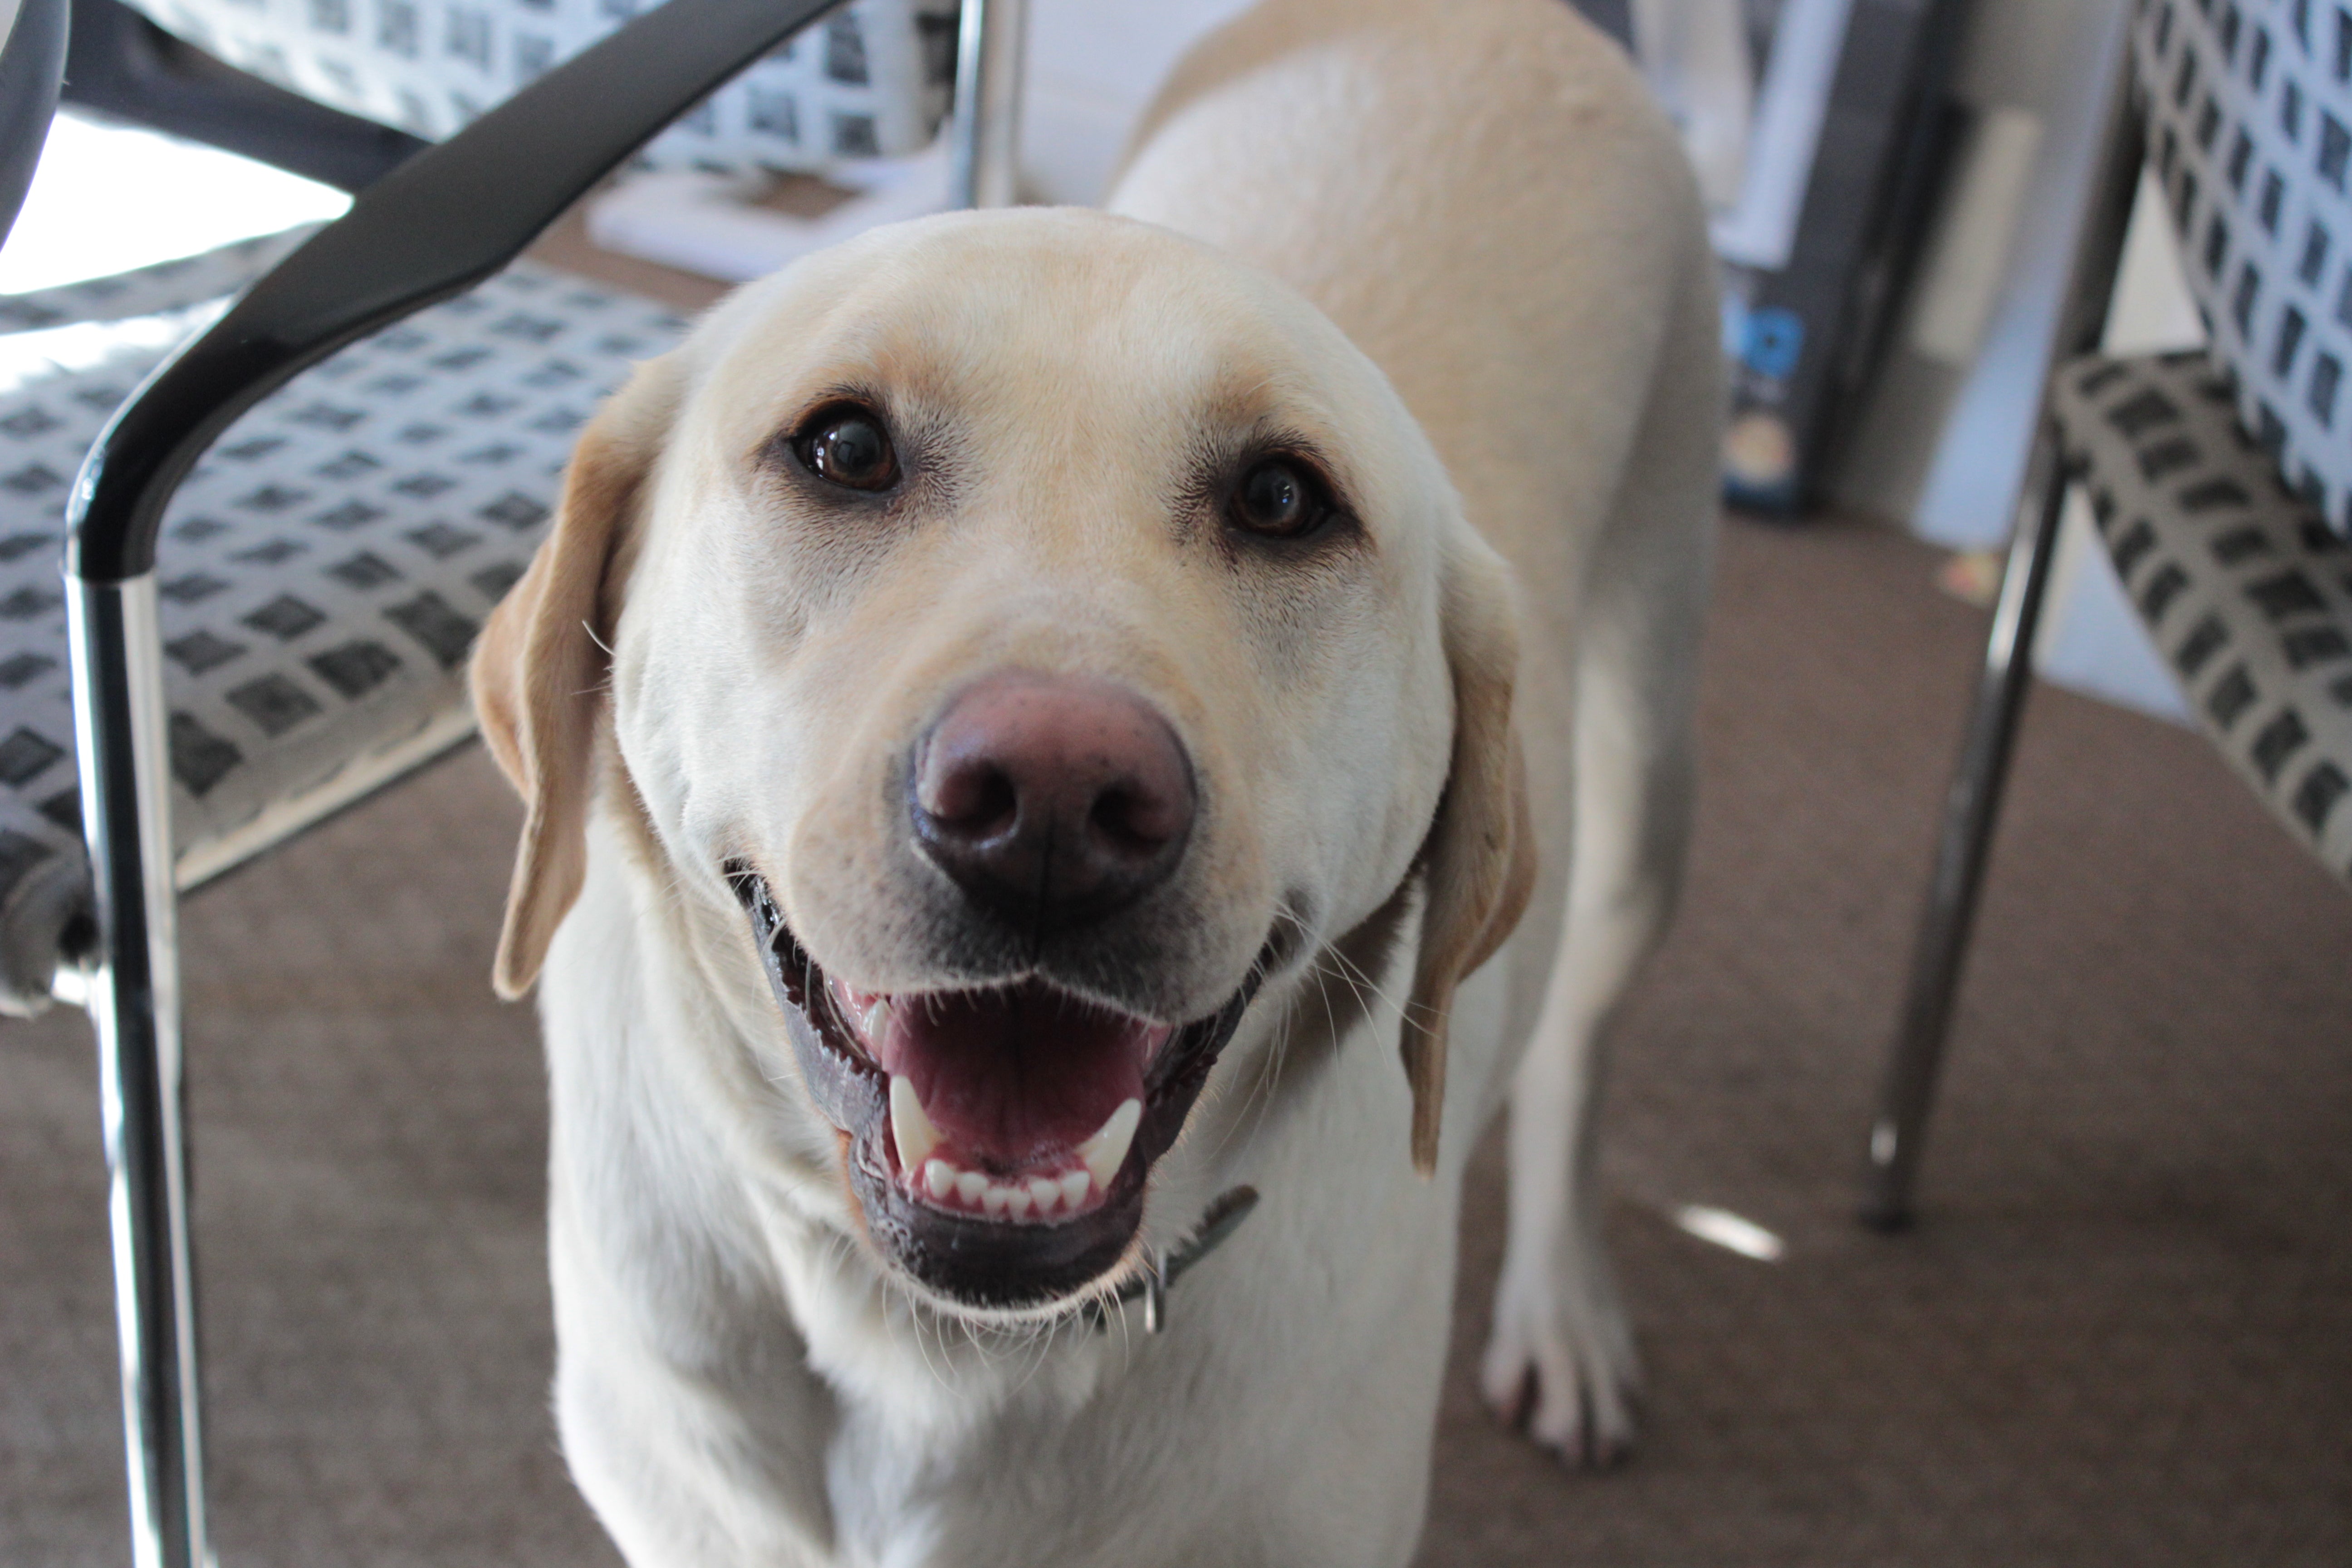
pixel 540 671
pixel 1478 864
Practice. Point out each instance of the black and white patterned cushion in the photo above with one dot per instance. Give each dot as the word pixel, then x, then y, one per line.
pixel 2247 593
pixel 871 79
pixel 2249 107
pixel 150 290
pixel 324 569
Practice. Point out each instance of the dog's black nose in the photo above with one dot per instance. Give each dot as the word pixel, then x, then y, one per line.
pixel 1052 800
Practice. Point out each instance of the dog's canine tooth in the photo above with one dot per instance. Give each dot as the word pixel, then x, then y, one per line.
pixel 939 1177
pixel 1106 1151
pixel 1045 1192
pixel 971 1187
pixel 1073 1189
pixel 910 1126
pixel 875 1021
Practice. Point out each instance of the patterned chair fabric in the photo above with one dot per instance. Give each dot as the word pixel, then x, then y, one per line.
pixel 2248 106
pixel 2246 591
pixel 873 79
pixel 324 569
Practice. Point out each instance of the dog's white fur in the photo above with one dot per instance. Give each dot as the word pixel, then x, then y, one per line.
pixel 1479 196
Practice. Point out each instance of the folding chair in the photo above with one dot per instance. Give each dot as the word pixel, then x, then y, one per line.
pixel 290 634
pixel 2220 481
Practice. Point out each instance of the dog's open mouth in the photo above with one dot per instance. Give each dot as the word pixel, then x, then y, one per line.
pixel 1018 1104
pixel 999 1138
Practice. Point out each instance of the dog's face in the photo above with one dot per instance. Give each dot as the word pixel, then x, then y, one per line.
pixel 1050 635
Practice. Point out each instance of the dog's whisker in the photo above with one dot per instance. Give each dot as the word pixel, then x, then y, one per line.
pixel 1403 1010
pixel 1356 971
pixel 918 1318
pixel 1035 1346
pixel 1258 1097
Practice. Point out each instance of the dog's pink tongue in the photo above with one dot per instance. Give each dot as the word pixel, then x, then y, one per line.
pixel 1016 1076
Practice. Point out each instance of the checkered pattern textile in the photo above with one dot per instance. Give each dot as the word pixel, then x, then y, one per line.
pixel 2246 592
pixel 324 569
pixel 871 79
pixel 2248 106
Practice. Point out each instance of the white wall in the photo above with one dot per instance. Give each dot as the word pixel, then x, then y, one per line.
pixel 1943 444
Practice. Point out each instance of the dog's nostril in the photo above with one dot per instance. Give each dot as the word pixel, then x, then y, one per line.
pixel 976 800
pixel 1133 823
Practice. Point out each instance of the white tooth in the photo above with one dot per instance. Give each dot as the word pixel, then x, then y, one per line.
pixel 1018 1202
pixel 1073 1189
pixel 940 1177
pixel 971 1186
pixel 1046 1192
pixel 997 1199
pixel 1106 1151
pixel 910 1126
pixel 875 1021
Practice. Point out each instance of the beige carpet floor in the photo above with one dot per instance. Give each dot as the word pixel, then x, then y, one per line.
pixel 2123 1334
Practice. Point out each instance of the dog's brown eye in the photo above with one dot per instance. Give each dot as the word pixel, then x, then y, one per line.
pixel 849 447
pixel 1275 499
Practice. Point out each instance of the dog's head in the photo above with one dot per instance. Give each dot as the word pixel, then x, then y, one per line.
pixel 1041 634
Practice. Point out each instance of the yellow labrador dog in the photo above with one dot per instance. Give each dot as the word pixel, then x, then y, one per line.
pixel 1035 725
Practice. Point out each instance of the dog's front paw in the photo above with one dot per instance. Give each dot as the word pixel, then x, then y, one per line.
pixel 1562 1366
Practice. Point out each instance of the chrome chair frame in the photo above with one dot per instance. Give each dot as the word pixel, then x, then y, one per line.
pixel 1972 804
pixel 440 223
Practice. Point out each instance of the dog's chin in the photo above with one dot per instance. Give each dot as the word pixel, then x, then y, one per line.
pixel 999 1140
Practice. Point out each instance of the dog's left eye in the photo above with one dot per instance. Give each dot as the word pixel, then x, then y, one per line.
pixel 850 448
pixel 1276 500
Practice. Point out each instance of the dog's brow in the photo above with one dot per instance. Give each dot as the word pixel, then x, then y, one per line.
pixel 1243 398
pixel 1261 408
pixel 837 390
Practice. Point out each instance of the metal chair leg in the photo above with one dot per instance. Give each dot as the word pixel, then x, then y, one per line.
pixel 1971 810
pixel 1974 803
pixel 986 130
pixel 134 1003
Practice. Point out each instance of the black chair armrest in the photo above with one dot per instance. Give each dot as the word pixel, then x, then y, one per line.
pixel 439 224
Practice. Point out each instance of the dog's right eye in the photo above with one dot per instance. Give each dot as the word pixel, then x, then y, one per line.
pixel 1277 500
pixel 848 447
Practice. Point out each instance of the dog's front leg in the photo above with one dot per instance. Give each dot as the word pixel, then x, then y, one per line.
pixel 1562 1358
